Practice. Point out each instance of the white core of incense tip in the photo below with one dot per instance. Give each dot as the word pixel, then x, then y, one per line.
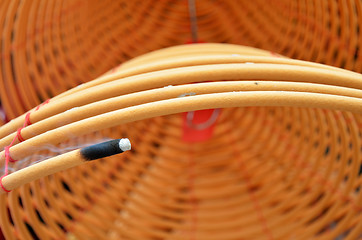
pixel 124 144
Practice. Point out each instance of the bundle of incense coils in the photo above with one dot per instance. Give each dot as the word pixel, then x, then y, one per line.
pixel 284 148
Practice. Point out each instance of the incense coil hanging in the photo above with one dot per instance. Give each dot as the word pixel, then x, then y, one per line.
pixel 49 47
pixel 283 160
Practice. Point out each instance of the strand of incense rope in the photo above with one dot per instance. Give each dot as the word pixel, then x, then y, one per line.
pixel 63 162
pixel 111 104
pixel 185 104
pixel 211 73
pixel 202 49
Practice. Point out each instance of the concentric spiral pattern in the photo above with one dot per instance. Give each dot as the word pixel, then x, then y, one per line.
pixel 48 47
pixel 283 163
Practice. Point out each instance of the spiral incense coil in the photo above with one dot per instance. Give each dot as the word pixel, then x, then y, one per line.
pixel 48 47
pixel 283 161
pixel 283 156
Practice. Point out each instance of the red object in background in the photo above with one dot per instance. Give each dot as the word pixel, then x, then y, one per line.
pixel 198 126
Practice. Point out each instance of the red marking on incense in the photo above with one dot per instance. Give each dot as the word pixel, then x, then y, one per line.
pixel 1 184
pixel 18 136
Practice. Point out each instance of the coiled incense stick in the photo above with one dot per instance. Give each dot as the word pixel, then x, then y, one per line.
pixel 285 140
pixel 63 162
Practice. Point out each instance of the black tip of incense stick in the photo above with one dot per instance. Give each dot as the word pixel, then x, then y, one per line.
pixel 105 149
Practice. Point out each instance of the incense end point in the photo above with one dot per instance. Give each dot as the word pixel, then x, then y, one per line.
pixel 125 144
